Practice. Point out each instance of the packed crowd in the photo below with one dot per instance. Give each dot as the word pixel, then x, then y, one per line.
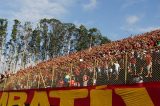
pixel 131 60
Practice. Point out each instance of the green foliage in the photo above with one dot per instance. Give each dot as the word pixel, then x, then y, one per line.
pixel 35 41
pixel 3 31
pixel 15 30
pixel 3 27
pixel 56 37
pixel 82 38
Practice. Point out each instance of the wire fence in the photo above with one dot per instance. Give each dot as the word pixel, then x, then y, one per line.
pixel 117 67
pixel 126 67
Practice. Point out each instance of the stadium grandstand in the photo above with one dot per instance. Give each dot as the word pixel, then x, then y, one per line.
pixel 131 60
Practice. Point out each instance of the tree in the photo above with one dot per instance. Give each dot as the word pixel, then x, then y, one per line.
pixel 82 38
pixel 51 38
pixel 69 38
pixel 44 36
pixel 13 54
pixel 24 44
pixel 34 43
pixel 3 31
pixel 56 38
pixel 3 34
pixel 96 37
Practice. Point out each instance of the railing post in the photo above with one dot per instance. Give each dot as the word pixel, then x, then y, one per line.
pixel 126 66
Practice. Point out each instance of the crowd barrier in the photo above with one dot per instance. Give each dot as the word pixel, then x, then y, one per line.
pixel 146 94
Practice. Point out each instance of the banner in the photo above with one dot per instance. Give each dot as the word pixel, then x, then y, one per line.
pixel 131 95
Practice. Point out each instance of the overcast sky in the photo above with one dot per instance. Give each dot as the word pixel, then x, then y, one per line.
pixel 116 19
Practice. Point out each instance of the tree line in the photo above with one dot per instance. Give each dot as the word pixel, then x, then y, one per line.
pixel 27 43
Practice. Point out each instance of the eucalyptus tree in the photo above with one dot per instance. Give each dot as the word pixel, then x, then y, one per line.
pixel 105 39
pixel 34 44
pixel 82 38
pixel 69 38
pixel 24 44
pixel 96 38
pixel 3 34
pixel 56 38
pixel 44 36
pixel 13 54
pixel 51 38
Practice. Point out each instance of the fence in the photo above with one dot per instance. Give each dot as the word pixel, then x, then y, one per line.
pixel 116 67
pixel 125 67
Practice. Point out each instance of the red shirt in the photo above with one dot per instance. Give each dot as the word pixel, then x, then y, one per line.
pixel 133 60
pixel 72 83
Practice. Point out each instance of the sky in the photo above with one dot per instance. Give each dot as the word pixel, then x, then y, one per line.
pixel 116 19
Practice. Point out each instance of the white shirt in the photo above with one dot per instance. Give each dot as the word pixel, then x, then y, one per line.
pixel 116 66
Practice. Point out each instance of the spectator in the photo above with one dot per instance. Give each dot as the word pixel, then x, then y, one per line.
pixel 117 69
pixel 149 64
